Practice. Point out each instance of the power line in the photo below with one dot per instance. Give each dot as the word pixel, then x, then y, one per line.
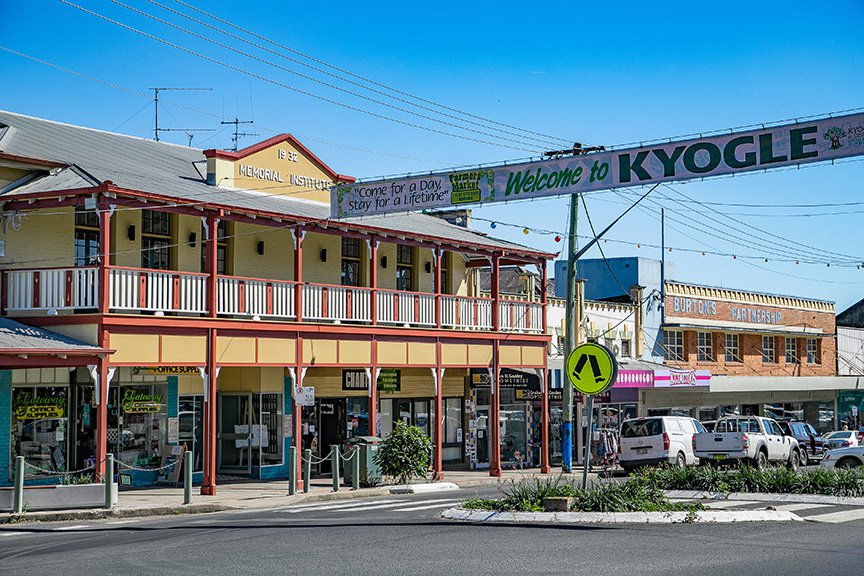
pixel 287 86
pixel 341 78
pixel 363 78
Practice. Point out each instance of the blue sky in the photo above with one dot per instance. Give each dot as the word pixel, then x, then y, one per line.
pixel 578 72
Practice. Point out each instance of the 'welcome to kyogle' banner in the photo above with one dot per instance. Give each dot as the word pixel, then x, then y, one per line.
pixel 773 147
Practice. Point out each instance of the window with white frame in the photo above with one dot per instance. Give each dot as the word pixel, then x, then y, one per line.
pixel 769 353
pixel 704 347
pixel 812 351
pixel 674 344
pixel 732 352
pixel 791 350
pixel 625 348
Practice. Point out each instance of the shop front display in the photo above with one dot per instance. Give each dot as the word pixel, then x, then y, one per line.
pixel 40 426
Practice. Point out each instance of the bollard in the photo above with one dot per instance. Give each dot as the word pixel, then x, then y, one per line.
pixel 355 468
pixel 187 477
pixel 109 480
pixel 307 469
pixel 292 471
pixel 334 459
pixel 18 502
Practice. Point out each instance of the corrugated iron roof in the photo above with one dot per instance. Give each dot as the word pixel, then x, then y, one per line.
pixel 142 165
pixel 21 337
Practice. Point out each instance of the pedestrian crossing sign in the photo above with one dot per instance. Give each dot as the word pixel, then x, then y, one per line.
pixel 592 368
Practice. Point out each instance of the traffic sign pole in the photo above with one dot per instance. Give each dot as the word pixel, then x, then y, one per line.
pixel 589 435
pixel 570 335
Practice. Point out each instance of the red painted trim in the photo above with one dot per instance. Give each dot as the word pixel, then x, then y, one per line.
pixel 67 287
pixel 269 296
pixel 545 468
pixel 104 256
pixel 25 198
pixel 373 279
pixel 95 352
pixel 438 256
pixel 249 150
pixel 4 288
pixel 34 161
pixel 495 414
pixel 46 361
pixel 212 250
pixel 36 278
pixel 438 465
pixel 298 274
pixel 208 486
pixel 49 203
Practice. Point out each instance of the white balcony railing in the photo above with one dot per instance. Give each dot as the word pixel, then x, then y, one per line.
pixel 157 291
pixel 52 289
pixel 254 297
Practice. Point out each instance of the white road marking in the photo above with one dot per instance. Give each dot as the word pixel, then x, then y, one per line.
pixel 396 505
pixel 7 533
pixel 441 504
pixel 332 506
pixel 724 504
pixel 798 507
pixel 838 517
pixel 115 522
pixel 75 527
pixel 363 506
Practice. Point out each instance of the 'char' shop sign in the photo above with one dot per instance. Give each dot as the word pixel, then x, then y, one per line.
pixel 31 406
pixel 137 402
pixel 697 158
pixel 389 380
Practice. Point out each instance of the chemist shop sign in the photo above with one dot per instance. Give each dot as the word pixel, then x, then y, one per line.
pixel 33 405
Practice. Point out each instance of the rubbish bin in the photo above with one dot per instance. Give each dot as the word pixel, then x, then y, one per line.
pixel 370 473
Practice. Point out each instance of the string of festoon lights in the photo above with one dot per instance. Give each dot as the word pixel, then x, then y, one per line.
pixel 559 236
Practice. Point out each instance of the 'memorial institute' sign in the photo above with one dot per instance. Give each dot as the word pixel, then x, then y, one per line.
pixel 732 153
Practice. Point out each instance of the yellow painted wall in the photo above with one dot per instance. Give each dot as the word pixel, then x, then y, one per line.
pixel 355 352
pixel 328 383
pixel 234 350
pixel 425 280
pixel 142 349
pixel 190 384
pixel 277 263
pixel 459 282
pixel 454 381
pixel 387 276
pixel 183 349
pixel 270 159
pixel 416 383
pixel 510 355
pixel 533 355
pixel 454 354
pixel 480 354
pixel 319 351
pixel 316 271
pixel 421 353
pixel 9 175
pixel 393 353
pixel 272 350
pixel 188 258
pixel 41 241
pixel 126 252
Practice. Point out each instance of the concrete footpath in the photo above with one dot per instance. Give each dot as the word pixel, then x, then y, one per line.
pixel 163 501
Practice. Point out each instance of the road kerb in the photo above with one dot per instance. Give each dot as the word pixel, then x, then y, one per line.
pixel 701 517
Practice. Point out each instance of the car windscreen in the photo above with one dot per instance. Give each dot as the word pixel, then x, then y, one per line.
pixel 641 428
pixel 841 434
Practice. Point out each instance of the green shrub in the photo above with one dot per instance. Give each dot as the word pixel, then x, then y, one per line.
pixel 405 453
pixel 780 480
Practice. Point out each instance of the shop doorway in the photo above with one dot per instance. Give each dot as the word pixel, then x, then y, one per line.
pixel 235 434
pixel 482 424
pixel 331 423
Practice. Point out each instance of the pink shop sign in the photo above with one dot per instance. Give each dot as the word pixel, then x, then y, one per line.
pixel 681 378
pixel 635 379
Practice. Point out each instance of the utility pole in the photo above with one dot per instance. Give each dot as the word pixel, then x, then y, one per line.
pixel 156 128
pixel 237 133
pixel 570 332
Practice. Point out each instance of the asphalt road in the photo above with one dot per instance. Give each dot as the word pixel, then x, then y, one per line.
pixel 403 535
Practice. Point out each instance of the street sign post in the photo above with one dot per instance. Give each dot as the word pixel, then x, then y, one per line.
pixel 592 369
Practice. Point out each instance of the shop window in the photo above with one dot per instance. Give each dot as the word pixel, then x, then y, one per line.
pixel 223 238
pixel 270 429
pixel 769 354
pixel 674 345
pixel 625 348
pixel 404 267
pixel 813 356
pixel 452 420
pixel 732 348
pixel 704 347
pixel 86 237
pixel 350 261
pixel 137 423
pixel 40 427
pixel 791 350
pixel 191 425
pixel 155 239
pixel 445 273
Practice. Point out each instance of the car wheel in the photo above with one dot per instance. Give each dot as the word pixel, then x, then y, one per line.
pixel 848 463
pixel 794 460
pixel 680 461
pixel 761 460
pixel 805 458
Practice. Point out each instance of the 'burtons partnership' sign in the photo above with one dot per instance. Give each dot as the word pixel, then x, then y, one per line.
pixel 774 147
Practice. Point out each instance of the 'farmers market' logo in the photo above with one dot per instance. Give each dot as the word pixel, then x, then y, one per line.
pixel 466 186
pixel 834 134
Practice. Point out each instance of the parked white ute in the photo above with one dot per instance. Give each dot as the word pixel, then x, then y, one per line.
pixel 658 440
pixel 754 439
pixel 844 458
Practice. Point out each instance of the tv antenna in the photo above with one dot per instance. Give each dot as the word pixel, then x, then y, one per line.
pixel 188 132
pixel 156 129
pixel 237 133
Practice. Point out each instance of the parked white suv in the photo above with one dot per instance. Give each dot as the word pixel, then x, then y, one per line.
pixel 658 440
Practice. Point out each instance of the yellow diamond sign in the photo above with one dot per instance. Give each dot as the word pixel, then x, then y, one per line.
pixel 592 368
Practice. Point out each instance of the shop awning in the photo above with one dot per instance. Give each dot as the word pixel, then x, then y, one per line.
pixel 724 326
pixel 20 343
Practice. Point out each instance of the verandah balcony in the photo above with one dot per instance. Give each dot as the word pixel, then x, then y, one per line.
pixel 131 290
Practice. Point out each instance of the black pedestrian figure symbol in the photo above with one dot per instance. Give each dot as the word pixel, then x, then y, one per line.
pixel 595 367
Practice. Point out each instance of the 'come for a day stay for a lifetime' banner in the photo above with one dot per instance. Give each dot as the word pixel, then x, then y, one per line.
pixel 773 147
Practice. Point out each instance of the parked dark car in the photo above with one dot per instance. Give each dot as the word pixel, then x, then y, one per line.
pixel 813 445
